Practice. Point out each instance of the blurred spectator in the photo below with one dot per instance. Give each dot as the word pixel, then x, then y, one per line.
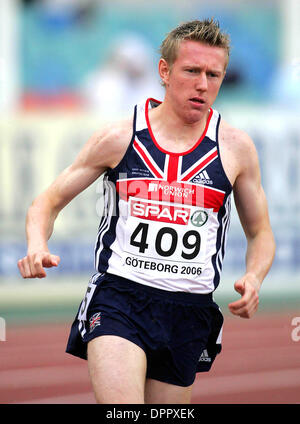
pixel 65 13
pixel 129 76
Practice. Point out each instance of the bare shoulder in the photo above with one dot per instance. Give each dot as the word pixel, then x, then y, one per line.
pixel 235 138
pixel 107 146
pixel 238 151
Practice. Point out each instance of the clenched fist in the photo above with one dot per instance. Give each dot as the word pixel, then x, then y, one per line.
pixel 248 287
pixel 32 265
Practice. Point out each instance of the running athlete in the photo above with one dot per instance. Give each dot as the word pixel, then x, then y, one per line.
pixel 148 322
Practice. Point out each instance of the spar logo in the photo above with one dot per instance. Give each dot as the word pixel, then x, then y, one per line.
pixel 158 212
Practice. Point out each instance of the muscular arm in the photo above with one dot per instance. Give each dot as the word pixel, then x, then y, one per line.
pixel 103 150
pixel 252 208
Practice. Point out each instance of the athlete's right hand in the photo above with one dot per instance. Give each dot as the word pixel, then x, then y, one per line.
pixel 32 265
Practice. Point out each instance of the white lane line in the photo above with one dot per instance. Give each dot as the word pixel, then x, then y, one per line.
pixel 204 386
pixel 247 382
pixel 76 398
pixel 42 377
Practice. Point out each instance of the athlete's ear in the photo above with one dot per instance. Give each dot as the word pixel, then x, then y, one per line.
pixel 164 71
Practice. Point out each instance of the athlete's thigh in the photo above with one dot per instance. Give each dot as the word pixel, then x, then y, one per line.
pixel 117 370
pixel 160 392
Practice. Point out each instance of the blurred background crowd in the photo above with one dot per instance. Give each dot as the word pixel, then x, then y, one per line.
pixel 68 66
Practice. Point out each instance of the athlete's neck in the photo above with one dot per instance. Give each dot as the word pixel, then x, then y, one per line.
pixel 171 131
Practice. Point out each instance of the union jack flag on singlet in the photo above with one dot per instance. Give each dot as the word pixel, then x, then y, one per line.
pixel 166 215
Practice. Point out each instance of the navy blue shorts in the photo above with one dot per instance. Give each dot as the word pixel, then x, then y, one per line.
pixel 179 332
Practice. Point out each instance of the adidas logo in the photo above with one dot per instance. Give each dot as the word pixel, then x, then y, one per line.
pixel 204 357
pixel 203 178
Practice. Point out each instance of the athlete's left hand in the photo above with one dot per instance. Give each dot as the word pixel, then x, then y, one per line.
pixel 248 286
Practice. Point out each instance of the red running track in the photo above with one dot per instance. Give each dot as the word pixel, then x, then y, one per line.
pixel 260 363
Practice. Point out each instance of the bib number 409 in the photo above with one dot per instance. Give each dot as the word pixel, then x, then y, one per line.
pixel 191 241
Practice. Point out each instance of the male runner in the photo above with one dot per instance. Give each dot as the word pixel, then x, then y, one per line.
pixel 148 322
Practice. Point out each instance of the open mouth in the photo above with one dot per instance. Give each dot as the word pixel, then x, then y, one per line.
pixel 197 100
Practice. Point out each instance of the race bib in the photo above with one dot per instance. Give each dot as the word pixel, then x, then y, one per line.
pixel 165 238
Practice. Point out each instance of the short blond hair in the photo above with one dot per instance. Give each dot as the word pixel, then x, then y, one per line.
pixel 207 31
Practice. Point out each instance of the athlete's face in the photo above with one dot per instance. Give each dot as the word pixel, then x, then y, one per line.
pixel 193 81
